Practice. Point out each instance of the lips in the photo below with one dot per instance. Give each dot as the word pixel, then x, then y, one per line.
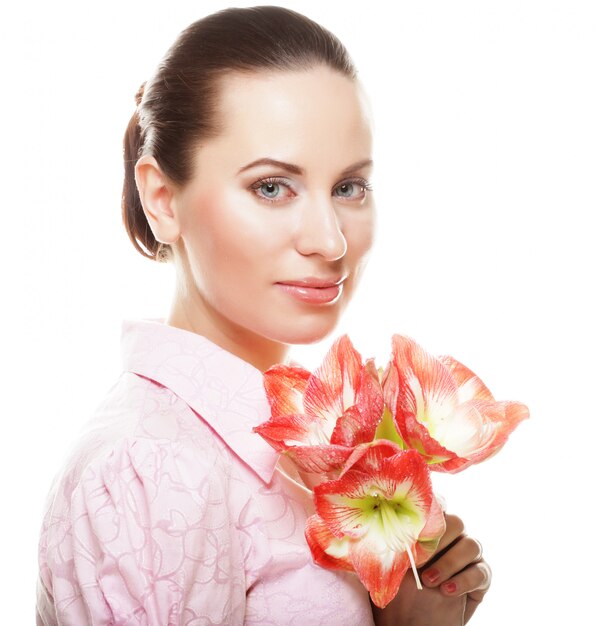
pixel 314 290
pixel 316 283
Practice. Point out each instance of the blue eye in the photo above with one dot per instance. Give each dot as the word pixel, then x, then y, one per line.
pixel 344 187
pixel 269 189
pixel 351 189
pixel 344 190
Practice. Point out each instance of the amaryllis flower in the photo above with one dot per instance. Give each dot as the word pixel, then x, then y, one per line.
pixel 378 519
pixel 318 418
pixel 444 410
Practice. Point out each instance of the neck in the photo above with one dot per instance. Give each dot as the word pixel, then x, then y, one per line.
pixel 195 315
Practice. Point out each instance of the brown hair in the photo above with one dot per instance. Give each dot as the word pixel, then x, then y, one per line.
pixel 176 107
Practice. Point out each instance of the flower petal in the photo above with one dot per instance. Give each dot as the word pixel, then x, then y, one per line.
pixel 301 437
pixel 416 436
pixel 368 457
pixel 470 386
pixel 431 534
pixel 285 386
pixel 285 431
pixel 380 569
pixel 323 459
pixel 481 428
pixel 327 550
pixel 421 394
pixel 426 387
pixel 332 387
pixel 359 422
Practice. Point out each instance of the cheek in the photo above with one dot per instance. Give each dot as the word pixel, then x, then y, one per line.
pixel 232 240
pixel 359 232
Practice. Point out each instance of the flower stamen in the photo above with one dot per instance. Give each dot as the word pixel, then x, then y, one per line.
pixel 396 533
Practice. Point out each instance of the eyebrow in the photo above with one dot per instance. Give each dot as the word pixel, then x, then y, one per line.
pixel 295 169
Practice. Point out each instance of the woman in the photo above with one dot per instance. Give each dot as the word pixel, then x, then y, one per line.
pixel 247 164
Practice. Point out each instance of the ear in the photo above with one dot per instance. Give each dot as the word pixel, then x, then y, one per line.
pixel 156 196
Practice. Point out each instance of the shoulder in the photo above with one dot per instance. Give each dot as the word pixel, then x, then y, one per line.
pixel 145 484
pixel 138 406
pixel 138 417
pixel 155 460
pixel 135 475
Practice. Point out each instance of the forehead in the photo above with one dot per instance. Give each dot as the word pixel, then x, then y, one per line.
pixel 317 108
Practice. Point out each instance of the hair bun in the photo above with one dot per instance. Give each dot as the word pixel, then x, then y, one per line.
pixel 140 93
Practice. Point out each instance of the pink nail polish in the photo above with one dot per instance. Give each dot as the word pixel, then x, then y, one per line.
pixel 432 575
pixel 450 587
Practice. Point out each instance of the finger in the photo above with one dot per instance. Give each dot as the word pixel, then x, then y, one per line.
pixel 473 581
pixel 471 607
pixel 464 551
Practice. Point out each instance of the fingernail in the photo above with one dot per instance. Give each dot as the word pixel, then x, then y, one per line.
pixel 431 575
pixel 450 587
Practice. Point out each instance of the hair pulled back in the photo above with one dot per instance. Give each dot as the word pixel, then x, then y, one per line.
pixel 177 107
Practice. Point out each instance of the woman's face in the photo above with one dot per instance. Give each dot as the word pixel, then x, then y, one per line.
pixel 276 222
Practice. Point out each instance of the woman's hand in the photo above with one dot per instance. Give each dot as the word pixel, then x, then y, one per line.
pixel 455 580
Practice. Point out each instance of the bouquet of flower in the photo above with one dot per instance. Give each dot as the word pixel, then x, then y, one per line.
pixel 367 438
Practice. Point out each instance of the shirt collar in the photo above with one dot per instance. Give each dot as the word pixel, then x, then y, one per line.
pixel 225 391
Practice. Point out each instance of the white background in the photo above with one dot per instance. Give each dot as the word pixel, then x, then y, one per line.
pixel 492 158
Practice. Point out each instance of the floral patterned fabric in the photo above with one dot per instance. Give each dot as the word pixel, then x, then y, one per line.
pixel 171 511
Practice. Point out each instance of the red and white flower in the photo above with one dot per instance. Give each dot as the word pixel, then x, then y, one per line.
pixel 368 447
pixel 443 410
pixel 378 519
pixel 318 418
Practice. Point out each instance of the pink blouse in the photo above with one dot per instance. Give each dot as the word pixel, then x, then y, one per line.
pixel 172 511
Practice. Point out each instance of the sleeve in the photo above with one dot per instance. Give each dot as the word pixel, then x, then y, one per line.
pixel 152 541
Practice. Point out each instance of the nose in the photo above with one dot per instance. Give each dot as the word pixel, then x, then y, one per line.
pixel 319 230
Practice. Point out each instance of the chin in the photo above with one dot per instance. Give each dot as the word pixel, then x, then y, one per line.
pixel 306 332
